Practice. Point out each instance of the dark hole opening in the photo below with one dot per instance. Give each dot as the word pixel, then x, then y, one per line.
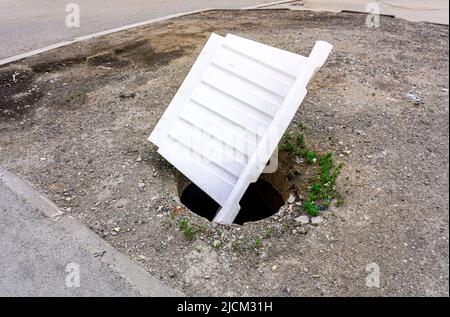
pixel 261 200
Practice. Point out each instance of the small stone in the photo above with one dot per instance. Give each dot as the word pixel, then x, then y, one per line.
pixel 141 185
pixel 413 97
pixel 280 213
pixel 316 220
pixel 141 257
pixel 291 199
pixel 139 159
pixel 117 229
pixel 274 268
pixel 302 220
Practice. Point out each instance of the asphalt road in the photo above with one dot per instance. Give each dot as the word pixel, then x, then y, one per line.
pixel 37 253
pixel 46 253
pixel 26 25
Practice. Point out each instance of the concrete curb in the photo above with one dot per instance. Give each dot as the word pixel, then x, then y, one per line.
pixel 142 281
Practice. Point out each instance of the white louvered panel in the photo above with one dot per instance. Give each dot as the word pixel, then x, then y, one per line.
pixel 203 174
pixel 229 114
pixel 199 143
pixel 242 94
pixel 221 134
pixel 282 61
pixel 258 77
pixel 234 111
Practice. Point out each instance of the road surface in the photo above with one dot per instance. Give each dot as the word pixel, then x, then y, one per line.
pixel 26 25
pixel 45 257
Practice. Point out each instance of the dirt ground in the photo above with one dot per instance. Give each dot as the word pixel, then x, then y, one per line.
pixel 75 122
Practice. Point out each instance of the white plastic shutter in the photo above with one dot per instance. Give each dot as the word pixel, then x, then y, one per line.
pixel 231 111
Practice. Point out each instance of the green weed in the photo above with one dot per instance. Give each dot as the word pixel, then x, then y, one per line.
pixel 188 230
pixel 322 191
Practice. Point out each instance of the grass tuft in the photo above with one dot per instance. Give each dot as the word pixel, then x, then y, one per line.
pixel 188 230
pixel 323 189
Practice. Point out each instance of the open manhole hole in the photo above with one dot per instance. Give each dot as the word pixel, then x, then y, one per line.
pixel 261 200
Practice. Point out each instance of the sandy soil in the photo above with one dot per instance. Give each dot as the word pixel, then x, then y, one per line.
pixel 75 121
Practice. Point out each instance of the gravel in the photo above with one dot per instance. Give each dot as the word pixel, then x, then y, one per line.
pixel 90 119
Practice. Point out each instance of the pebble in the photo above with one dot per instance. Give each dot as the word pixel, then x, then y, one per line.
pixel 291 199
pixel 141 257
pixel 274 268
pixel 141 185
pixel 302 219
pixel 413 97
pixel 316 220
pixel 139 159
